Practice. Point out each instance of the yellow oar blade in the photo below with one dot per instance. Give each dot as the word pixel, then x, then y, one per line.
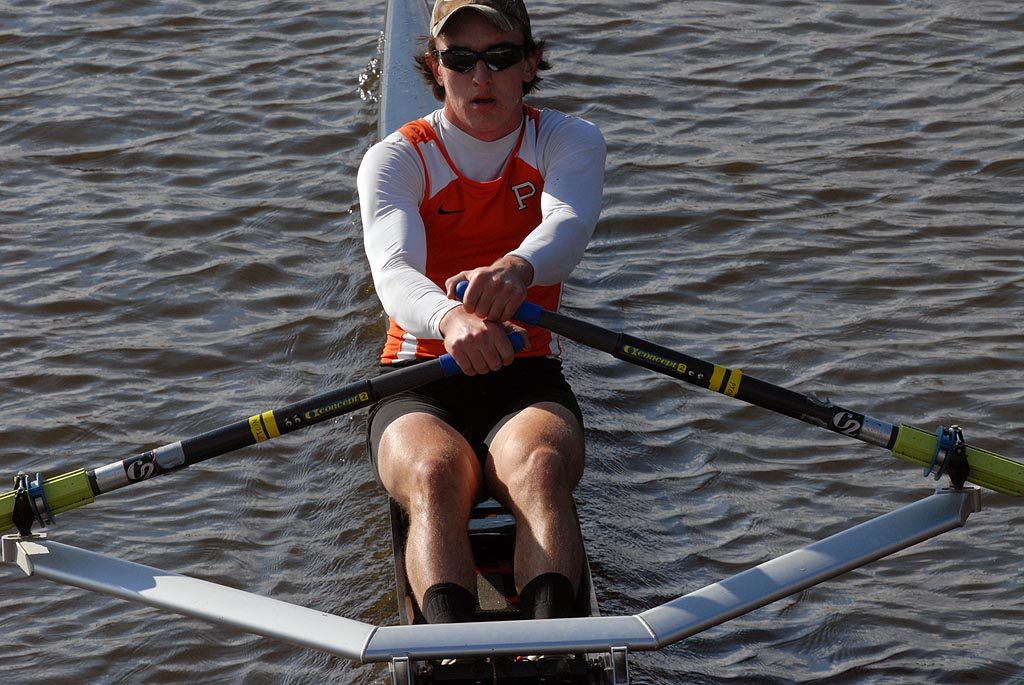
pixel 988 469
pixel 62 493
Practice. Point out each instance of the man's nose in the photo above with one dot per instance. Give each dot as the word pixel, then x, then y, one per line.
pixel 481 72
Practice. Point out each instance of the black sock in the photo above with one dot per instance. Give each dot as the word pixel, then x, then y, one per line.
pixel 549 595
pixel 448 603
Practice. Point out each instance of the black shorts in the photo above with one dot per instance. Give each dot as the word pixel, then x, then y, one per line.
pixel 476 406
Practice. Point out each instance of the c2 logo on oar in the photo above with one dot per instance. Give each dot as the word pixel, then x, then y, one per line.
pixel 848 423
pixel 141 467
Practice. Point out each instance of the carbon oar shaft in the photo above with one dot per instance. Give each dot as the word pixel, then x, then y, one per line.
pixel 81 487
pixel 910 444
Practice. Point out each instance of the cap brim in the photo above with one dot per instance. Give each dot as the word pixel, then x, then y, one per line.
pixel 496 17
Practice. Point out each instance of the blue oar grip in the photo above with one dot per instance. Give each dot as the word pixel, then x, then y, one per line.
pixel 517 340
pixel 528 312
pixel 450 368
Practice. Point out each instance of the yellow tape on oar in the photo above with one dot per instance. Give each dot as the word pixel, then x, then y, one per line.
pixel 263 426
pixel 732 386
pixel 62 493
pixel 988 469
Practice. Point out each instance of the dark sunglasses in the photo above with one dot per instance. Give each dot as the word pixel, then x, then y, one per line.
pixel 497 58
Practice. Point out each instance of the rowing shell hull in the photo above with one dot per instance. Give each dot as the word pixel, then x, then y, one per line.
pixel 404 95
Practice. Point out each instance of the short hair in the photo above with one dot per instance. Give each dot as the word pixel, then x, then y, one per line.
pixel 529 45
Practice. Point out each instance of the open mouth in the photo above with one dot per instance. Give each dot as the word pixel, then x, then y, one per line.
pixel 484 101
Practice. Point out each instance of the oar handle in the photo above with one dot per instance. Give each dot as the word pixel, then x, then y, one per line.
pixel 528 312
pixel 78 488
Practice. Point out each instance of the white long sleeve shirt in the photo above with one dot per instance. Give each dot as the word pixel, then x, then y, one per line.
pixel 393 181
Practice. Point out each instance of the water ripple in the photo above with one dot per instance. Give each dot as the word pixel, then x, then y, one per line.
pixel 825 194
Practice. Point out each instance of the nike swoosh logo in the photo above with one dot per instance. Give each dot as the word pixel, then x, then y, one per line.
pixel 442 211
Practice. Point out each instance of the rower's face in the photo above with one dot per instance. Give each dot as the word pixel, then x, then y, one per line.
pixel 484 103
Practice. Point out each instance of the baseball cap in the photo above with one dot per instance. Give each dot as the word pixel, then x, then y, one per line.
pixel 506 14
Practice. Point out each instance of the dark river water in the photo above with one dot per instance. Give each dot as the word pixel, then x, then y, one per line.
pixel 827 194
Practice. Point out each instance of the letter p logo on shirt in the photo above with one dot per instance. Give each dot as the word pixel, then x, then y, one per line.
pixel 523 191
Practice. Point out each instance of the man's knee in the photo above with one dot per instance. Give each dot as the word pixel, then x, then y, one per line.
pixel 439 475
pixel 541 472
pixel 545 464
pixel 540 452
pixel 426 465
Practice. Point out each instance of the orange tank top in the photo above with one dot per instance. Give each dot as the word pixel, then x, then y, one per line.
pixel 473 223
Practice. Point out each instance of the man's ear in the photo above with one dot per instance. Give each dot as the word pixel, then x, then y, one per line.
pixel 435 67
pixel 532 63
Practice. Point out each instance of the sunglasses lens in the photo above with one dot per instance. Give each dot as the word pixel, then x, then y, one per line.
pixel 458 60
pixel 496 59
pixel 502 58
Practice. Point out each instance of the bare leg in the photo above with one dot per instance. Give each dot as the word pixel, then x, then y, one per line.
pixel 433 473
pixel 536 460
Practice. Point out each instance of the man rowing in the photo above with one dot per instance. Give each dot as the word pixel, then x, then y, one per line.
pixel 490 191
